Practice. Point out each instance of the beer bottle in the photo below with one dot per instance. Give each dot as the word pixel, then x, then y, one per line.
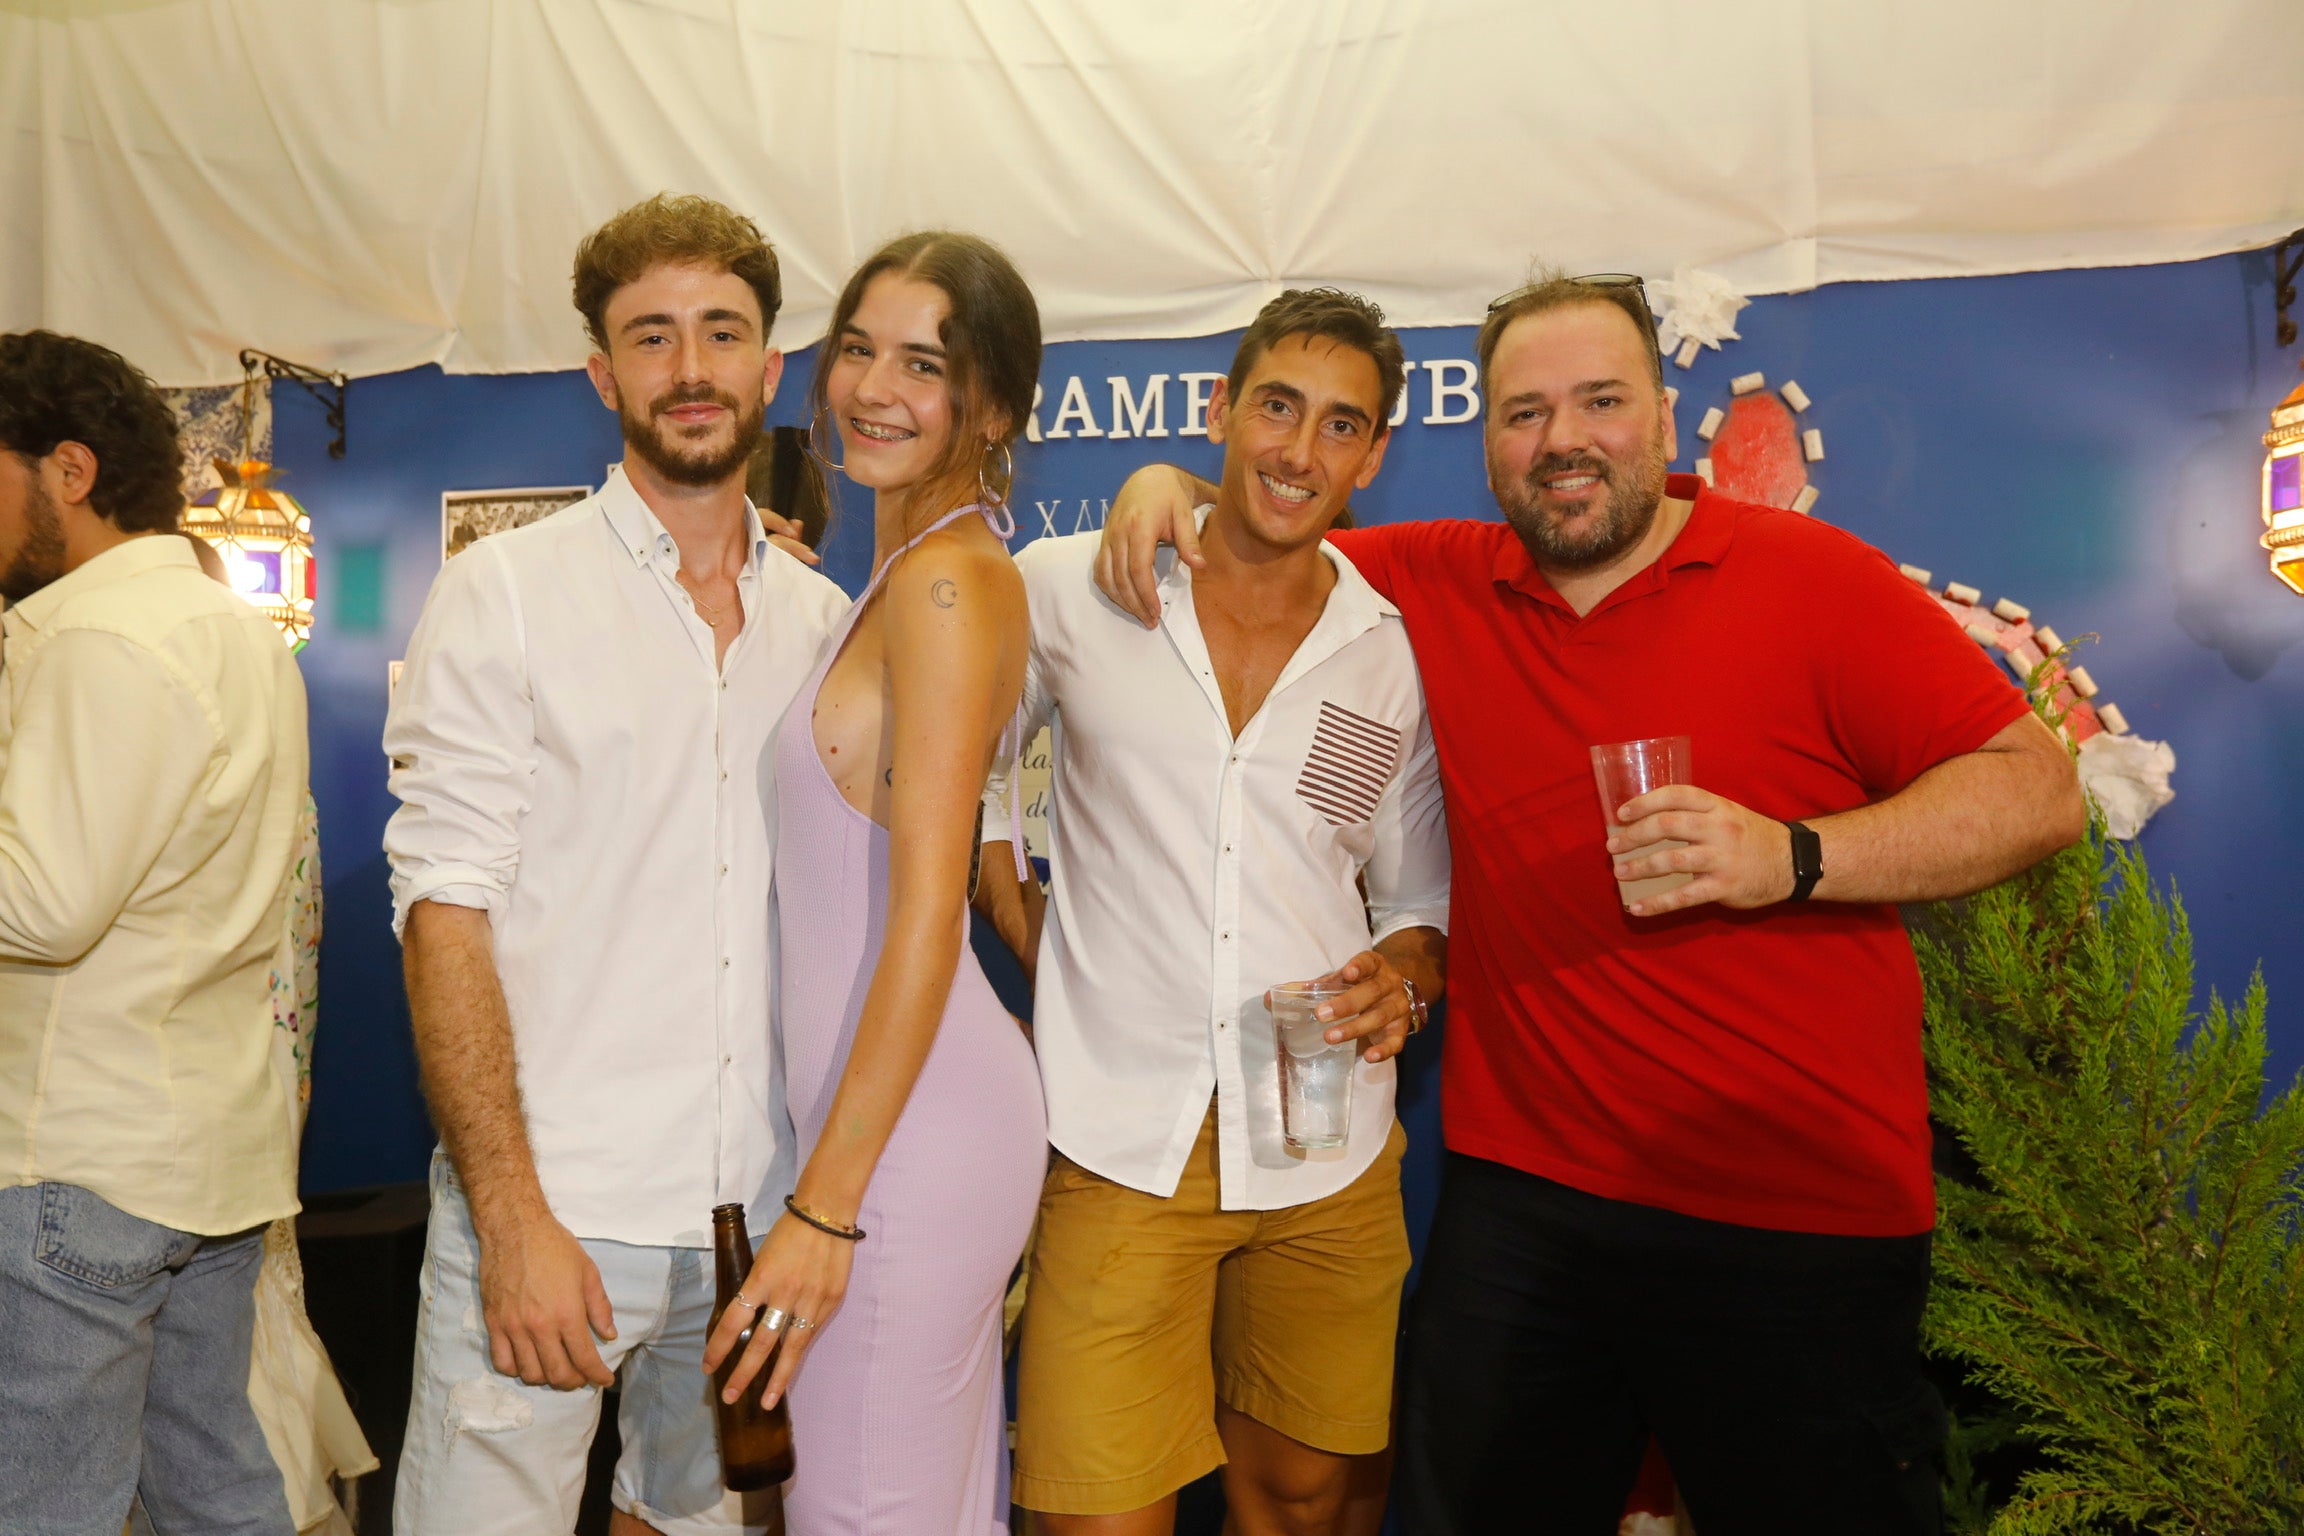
pixel 755 1442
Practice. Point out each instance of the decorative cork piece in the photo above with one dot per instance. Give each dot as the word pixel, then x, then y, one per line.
pixel 1686 356
pixel 1709 427
pixel 1704 468
pixel 1794 395
pixel 1812 445
pixel 1747 383
pixel 2031 653
pixel 1805 502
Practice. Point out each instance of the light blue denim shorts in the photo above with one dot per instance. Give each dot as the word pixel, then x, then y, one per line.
pixel 488 1453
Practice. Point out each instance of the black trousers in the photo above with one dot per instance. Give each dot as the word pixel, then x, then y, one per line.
pixel 1553 1331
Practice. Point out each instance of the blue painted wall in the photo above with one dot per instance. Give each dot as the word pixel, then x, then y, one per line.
pixel 2084 442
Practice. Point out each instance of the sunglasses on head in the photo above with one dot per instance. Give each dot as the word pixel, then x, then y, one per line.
pixel 1606 282
pixel 1629 280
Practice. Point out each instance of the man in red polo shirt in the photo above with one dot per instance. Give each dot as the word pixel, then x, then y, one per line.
pixel 1688 1189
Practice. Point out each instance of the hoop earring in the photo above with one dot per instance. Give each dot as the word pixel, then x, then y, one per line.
pixel 984 496
pixel 817 453
pixel 1004 524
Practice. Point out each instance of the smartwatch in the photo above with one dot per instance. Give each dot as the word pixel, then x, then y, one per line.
pixel 1807 860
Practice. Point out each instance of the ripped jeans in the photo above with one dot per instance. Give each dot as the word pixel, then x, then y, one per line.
pixel 124 1349
pixel 488 1453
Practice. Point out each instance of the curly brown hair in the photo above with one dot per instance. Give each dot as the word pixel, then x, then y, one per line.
pixel 673 230
pixel 59 389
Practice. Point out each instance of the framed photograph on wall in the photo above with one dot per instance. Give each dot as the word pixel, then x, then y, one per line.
pixel 469 515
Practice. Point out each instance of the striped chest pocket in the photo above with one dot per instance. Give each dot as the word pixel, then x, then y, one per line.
pixel 1351 760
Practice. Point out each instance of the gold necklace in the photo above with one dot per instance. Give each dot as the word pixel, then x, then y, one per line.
pixel 711 614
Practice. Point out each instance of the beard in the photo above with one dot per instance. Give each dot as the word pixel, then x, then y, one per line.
pixel 41 559
pixel 646 435
pixel 1620 518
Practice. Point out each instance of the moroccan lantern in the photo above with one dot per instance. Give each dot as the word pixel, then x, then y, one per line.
pixel 265 538
pixel 2284 490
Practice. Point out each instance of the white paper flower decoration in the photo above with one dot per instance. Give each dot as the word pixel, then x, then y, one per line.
pixel 1694 309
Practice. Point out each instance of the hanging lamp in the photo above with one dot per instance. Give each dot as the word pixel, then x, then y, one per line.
pixel 2284 444
pixel 263 534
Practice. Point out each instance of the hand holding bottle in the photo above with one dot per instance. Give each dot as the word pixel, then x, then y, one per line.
pixel 797 1282
pixel 755 1441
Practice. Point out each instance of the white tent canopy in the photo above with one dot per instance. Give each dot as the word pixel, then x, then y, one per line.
pixel 372 184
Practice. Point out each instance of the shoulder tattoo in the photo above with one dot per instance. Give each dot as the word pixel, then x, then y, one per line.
pixel 943 593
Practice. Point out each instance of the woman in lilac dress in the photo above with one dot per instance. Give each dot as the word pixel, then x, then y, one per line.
pixel 913 1091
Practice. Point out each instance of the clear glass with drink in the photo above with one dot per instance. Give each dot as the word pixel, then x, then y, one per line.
pixel 1626 770
pixel 1315 1077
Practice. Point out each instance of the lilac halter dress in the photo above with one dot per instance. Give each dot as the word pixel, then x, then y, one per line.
pixel 899 1422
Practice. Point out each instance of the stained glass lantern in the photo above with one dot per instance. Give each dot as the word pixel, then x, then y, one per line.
pixel 2284 490
pixel 265 538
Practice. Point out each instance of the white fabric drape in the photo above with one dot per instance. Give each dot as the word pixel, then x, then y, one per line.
pixel 371 184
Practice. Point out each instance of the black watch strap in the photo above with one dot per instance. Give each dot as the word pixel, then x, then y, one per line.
pixel 1807 860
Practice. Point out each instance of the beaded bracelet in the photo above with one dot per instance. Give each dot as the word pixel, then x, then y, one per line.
pixel 823 1223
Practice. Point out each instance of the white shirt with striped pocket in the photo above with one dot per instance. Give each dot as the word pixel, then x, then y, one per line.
pixel 1191 871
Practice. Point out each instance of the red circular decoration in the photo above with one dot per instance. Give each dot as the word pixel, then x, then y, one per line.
pixel 1756 455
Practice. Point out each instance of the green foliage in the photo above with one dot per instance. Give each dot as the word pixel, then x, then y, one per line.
pixel 1969 1491
pixel 2123 1271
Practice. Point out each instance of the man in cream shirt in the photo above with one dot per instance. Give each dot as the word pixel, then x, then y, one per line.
pixel 152 766
pixel 1200 1293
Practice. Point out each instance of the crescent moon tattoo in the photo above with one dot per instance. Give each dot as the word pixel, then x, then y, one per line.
pixel 943 594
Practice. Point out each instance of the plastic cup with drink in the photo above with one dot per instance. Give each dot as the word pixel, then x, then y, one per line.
pixel 1626 770
pixel 1315 1077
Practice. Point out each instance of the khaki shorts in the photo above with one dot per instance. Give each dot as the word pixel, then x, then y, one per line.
pixel 1143 1313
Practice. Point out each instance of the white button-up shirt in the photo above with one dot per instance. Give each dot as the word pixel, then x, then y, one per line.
pixel 1191 871
pixel 152 765
pixel 569 756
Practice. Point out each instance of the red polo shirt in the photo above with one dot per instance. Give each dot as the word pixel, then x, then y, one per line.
pixel 1754 1067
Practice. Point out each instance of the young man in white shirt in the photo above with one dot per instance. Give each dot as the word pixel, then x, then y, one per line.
pixel 580 866
pixel 1202 1294
pixel 152 766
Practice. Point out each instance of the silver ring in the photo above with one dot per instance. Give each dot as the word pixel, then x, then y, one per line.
pixel 772 1318
pixel 747 1302
pixel 801 1322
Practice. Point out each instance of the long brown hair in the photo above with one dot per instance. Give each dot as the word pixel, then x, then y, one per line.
pixel 991 339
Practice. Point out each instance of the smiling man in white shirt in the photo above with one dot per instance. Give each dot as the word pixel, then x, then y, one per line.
pixel 1202 1294
pixel 580 864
